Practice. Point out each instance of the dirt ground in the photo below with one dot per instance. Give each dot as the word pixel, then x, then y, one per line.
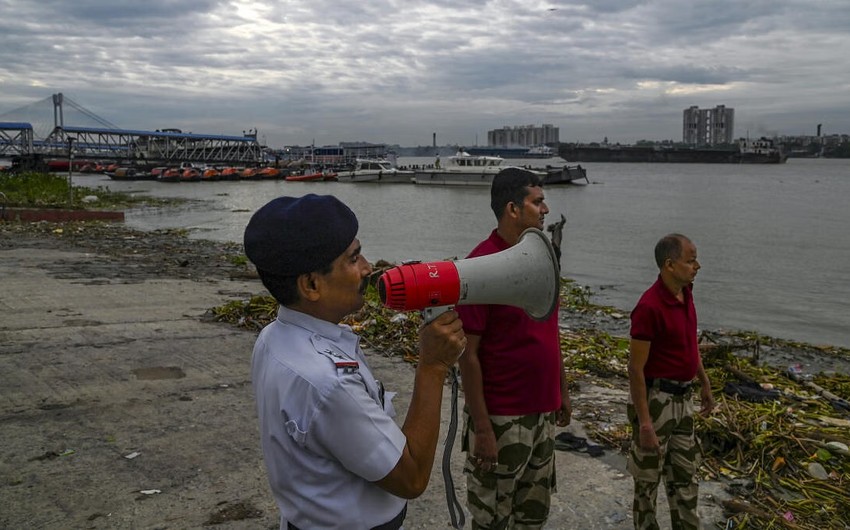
pixel 122 406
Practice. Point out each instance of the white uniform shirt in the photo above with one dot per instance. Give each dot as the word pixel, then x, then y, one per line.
pixel 326 436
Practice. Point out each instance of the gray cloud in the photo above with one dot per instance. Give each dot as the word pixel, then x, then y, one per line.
pixel 397 71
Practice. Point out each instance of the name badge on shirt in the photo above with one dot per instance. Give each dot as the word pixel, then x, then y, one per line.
pixel 347 367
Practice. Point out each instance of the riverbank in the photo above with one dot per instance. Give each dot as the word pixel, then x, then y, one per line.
pixel 127 407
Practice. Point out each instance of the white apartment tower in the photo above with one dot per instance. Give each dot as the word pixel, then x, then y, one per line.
pixel 523 135
pixel 706 127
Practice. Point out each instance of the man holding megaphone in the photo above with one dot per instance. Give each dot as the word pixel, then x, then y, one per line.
pixel 514 383
pixel 334 455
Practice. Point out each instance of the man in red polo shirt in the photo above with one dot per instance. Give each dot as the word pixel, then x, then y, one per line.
pixel 515 388
pixel 664 359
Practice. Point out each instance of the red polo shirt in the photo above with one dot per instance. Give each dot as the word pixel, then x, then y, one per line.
pixel 670 326
pixel 520 357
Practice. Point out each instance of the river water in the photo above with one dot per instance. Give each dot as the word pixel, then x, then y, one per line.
pixel 773 240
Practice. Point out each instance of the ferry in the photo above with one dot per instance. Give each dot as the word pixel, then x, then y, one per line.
pixel 461 169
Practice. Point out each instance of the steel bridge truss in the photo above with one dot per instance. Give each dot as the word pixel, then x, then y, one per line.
pixel 16 139
pixel 150 147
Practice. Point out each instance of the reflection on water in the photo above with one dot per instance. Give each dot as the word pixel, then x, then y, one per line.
pixel 772 239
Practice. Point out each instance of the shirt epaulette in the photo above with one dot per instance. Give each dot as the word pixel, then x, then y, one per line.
pixel 344 364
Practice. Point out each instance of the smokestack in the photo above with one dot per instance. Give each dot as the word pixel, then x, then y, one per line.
pixel 434 139
pixel 819 125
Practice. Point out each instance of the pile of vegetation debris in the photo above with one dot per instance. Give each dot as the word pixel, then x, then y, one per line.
pixel 49 190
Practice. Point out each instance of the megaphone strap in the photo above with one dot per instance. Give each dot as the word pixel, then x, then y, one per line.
pixel 455 508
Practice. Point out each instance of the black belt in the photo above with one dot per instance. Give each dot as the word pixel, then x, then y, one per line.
pixel 670 386
pixel 394 524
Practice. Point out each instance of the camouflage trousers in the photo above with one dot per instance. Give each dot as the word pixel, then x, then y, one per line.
pixel 516 492
pixel 673 421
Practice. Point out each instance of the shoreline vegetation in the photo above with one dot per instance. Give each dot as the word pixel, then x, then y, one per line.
pixel 778 441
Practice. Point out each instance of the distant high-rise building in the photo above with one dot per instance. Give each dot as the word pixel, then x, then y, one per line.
pixel 523 135
pixel 705 127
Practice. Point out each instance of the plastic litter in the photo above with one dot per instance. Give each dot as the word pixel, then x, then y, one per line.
pixel 795 372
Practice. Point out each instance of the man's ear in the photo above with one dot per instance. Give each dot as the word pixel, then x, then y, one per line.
pixel 308 286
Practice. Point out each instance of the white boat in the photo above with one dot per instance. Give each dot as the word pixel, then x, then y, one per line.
pixel 377 171
pixel 540 151
pixel 562 174
pixel 461 169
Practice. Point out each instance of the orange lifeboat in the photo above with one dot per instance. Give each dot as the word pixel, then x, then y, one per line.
pixel 229 173
pixel 190 174
pixel 249 173
pixel 269 173
pixel 210 173
pixel 170 175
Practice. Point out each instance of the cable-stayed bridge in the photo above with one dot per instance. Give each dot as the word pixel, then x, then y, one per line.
pixel 75 132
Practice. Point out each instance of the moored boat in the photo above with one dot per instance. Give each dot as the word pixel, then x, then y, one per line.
pixel 210 174
pixel 461 169
pixel 249 173
pixel 171 174
pixel 269 173
pixel 535 151
pixel 309 176
pixel 229 173
pixel 563 175
pixel 129 173
pixel 761 151
pixel 190 174
pixel 376 171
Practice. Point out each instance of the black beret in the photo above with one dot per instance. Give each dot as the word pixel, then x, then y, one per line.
pixel 295 235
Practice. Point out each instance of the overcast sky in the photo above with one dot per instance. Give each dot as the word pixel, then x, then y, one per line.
pixel 396 71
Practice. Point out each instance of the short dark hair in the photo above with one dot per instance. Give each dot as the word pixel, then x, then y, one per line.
pixel 669 247
pixel 284 289
pixel 511 185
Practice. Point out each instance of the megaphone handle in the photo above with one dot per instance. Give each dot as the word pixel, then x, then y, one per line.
pixel 430 313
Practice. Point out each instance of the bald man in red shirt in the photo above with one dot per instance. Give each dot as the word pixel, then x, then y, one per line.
pixel 664 360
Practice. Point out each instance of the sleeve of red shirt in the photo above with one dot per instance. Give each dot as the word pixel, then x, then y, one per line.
pixel 643 323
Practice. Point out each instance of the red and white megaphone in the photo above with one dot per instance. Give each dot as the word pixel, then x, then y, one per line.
pixel 525 275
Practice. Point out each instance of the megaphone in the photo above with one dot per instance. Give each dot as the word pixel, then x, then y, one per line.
pixel 526 275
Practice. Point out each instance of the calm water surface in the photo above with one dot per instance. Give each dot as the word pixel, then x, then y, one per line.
pixel 773 240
